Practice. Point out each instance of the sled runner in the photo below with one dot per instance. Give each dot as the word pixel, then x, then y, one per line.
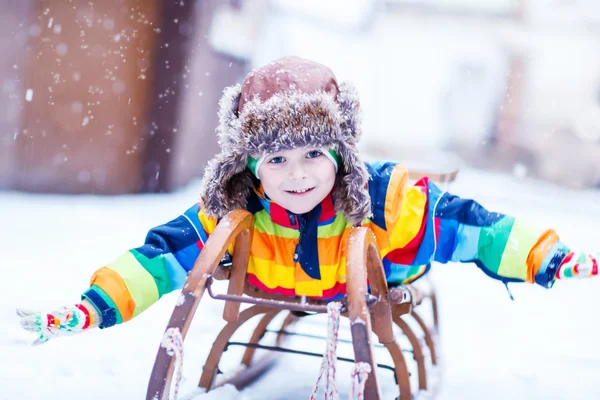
pixel 374 310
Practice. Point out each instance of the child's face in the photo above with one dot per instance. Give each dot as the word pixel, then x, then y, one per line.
pixel 297 179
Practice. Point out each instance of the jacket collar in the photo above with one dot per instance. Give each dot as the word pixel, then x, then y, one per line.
pixel 288 219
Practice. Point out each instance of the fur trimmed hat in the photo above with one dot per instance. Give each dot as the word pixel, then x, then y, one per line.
pixel 289 103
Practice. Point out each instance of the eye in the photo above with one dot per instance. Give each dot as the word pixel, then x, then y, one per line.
pixel 314 154
pixel 276 160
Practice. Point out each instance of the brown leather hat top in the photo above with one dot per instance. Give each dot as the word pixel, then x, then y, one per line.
pixel 288 74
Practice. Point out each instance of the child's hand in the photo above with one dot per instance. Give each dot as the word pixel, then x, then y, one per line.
pixel 61 322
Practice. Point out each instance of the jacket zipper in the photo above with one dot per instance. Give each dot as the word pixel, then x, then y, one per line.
pixel 301 229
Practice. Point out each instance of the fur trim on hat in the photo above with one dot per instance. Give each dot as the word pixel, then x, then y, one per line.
pixel 286 121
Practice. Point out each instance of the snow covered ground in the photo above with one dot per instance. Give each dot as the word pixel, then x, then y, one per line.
pixel 541 346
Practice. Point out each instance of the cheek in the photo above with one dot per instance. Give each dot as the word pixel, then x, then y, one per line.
pixel 330 181
pixel 325 172
pixel 270 179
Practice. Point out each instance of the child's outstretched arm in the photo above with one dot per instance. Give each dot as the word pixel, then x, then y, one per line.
pixel 505 247
pixel 433 225
pixel 133 282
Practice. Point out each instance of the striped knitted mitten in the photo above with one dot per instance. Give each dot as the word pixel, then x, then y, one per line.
pixel 61 322
pixel 578 265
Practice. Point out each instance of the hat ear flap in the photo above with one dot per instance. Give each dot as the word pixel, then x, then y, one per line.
pixel 226 185
pixel 350 107
pixel 352 191
pixel 229 130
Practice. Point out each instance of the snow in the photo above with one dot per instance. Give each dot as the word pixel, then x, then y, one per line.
pixel 541 346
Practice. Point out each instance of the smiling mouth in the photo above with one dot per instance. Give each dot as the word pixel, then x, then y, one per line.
pixel 299 191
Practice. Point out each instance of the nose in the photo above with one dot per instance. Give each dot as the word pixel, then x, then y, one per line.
pixel 297 171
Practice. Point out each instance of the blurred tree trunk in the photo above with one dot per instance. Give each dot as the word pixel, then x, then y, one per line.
pixel 177 20
pixel 211 72
pixel 189 80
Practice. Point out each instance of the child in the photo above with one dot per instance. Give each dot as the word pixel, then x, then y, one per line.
pixel 288 136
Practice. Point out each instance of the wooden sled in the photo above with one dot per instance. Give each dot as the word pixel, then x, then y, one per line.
pixel 383 311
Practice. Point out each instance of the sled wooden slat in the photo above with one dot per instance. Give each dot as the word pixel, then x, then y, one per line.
pixel 219 345
pixel 361 247
pixel 428 336
pixel 251 369
pixel 236 225
pixel 363 260
pixel 259 333
pixel 237 278
pixel 417 350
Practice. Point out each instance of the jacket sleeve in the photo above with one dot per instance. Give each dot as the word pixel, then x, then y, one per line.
pixel 502 246
pixel 429 224
pixel 138 278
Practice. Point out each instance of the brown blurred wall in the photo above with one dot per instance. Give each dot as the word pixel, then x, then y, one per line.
pixel 15 29
pixel 88 72
pixel 109 97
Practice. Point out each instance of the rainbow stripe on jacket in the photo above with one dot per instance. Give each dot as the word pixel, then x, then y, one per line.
pixel 305 255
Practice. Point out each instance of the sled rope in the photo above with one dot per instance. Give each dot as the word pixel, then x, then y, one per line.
pixel 172 341
pixel 360 371
pixel 330 356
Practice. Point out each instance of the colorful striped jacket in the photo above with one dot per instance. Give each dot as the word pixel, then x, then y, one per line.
pixel 305 255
